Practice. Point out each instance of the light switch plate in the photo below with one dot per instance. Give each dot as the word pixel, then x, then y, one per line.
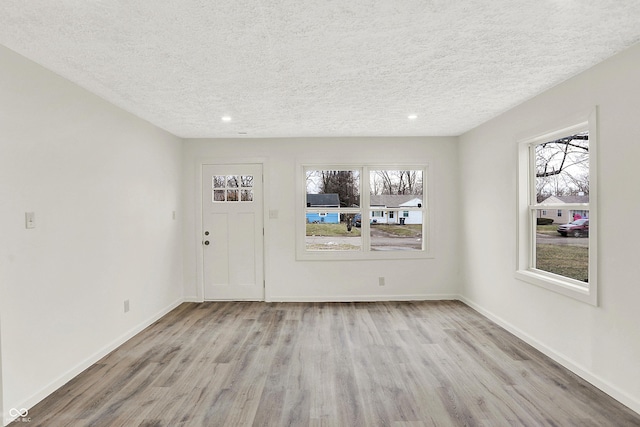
pixel 30 220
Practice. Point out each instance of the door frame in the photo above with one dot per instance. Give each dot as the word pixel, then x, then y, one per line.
pixel 200 163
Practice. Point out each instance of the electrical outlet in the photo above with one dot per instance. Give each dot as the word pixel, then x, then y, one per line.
pixel 126 306
pixel 380 281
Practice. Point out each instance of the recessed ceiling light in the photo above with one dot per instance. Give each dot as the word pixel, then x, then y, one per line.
pixel 226 118
pixel 412 116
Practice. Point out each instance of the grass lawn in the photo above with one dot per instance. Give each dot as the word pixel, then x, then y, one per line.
pixel 568 261
pixel 331 230
pixel 409 230
pixel 551 229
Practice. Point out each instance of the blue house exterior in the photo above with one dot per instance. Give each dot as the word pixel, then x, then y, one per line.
pixel 321 201
pixel 319 217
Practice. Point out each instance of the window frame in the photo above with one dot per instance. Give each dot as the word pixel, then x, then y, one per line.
pixel 527 206
pixel 365 252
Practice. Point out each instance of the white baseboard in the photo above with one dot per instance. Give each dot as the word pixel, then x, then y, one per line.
pixel 362 298
pixel 622 397
pixel 71 373
pixel 349 298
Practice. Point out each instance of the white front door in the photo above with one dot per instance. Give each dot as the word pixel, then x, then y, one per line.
pixel 232 232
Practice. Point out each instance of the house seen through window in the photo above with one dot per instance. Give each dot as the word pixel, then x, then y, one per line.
pixel 340 216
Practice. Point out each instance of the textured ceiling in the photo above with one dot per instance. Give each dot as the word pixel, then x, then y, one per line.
pixel 318 68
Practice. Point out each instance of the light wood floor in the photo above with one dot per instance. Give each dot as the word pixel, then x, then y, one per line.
pixel 328 364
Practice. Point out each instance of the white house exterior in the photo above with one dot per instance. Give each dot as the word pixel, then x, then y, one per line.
pixel 391 209
pixel 562 216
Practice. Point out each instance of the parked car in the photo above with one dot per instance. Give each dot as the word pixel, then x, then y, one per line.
pixel 357 221
pixel 577 228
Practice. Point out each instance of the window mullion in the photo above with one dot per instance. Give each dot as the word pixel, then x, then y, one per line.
pixel 532 237
pixel 365 202
pixel 532 175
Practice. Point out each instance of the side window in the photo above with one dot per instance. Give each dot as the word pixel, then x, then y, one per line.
pixel 557 174
pixel 561 176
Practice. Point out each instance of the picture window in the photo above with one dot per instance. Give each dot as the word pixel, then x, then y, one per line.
pixel 342 219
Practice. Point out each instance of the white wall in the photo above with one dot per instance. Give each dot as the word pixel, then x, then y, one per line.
pixel 2 413
pixel 601 343
pixel 289 279
pixel 103 185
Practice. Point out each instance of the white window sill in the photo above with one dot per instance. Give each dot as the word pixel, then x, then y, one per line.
pixel 360 255
pixel 559 284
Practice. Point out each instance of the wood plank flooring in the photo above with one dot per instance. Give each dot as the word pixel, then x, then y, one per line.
pixel 401 364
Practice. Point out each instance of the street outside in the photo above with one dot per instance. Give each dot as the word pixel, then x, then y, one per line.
pixel 560 240
pixel 383 241
pixel 380 241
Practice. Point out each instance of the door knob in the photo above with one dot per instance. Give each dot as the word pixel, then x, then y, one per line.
pixel 206 242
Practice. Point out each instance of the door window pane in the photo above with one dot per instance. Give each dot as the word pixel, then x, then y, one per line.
pixel 246 181
pixel 219 181
pixel 233 181
pixel 218 195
